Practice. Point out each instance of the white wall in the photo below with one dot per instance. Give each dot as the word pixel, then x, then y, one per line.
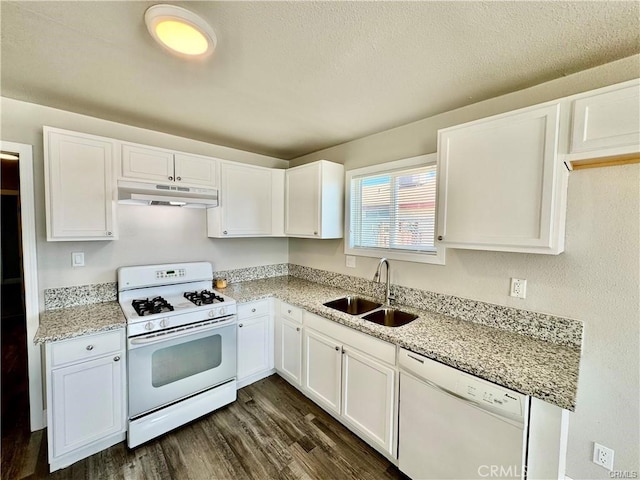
pixel 147 234
pixel 595 280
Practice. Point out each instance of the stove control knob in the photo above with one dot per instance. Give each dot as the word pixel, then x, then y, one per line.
pixel 148 326
pixel 222 311
pixel 164 322
pixel 212 313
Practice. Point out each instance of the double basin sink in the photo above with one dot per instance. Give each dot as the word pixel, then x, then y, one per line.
pixel 354 305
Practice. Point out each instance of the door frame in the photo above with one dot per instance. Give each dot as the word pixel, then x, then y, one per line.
pixel 30 272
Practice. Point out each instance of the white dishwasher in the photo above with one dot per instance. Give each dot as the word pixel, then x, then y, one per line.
pixel 456 426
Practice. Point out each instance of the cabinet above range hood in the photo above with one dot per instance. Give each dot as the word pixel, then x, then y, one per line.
pixel 141 193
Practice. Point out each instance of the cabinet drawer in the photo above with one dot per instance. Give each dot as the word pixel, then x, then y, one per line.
pixel 252 309
pixel 86 347
pixel 291 312
pixel 372 346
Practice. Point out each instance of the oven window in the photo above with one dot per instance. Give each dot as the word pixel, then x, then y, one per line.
pixel 175 363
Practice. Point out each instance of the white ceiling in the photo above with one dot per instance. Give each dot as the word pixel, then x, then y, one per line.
pixel 289 78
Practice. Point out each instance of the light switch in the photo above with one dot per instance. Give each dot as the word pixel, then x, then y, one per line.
pixel 77 259
pixel 351 261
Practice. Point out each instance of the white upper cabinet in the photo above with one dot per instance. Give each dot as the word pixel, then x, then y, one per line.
pixel 251 202
pixel 501 184
pixel 80 186
pixel 607 121
pixel 160 165
pixel 314 199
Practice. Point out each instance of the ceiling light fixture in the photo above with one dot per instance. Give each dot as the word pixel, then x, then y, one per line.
pixel 180 31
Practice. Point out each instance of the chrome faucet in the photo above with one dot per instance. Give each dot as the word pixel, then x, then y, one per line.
pixel 376 278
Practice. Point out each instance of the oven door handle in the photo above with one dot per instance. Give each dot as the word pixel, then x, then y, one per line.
pixel 150 339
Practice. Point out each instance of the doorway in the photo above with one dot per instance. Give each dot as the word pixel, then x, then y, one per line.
pixel 21 369
pixel 13 325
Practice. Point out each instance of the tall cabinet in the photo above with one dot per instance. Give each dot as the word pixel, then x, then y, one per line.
pixel 80 187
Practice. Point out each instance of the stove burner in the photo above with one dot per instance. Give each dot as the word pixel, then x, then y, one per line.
pixel 149 307
pixel 205 297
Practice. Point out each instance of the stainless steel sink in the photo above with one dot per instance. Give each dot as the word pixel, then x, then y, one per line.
pixel 390 317
pixel 352 305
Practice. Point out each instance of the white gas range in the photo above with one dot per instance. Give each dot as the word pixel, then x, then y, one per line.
pixel 181 346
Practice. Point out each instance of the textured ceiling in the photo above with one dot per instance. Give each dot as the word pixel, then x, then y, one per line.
pixel 289 78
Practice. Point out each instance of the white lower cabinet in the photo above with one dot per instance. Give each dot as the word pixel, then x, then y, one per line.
pixel 288 344
pixel 86 396
pixel 368 396
pixel 255 342
pixel 359 388
pixel 323 369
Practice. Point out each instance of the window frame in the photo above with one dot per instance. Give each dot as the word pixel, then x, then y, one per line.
pixel 436 258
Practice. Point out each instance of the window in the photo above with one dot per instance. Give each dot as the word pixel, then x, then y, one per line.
pixel 391 211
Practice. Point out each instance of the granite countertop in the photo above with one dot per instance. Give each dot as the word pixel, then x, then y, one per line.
pixel 544 370
pixel 72 322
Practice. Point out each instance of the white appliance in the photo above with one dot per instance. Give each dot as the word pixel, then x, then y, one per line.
pixel 456 426
pixel 181 344
pixel 142 193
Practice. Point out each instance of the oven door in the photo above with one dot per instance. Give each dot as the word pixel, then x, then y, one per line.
pixel 165 368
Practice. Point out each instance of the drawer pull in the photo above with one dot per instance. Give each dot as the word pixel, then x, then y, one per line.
pixel 288 311
pixel 89 347
pixel 253 310
pixel 416 359
pixel 240 325
pixel 116 358
pixel 297 329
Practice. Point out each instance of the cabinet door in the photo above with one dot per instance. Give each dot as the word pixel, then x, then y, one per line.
pixel 323 365
pixel 245 200
pixel 147 163
pixel 501 186
pixel 302 201
pixel 606 120
pixel 87 402
pixel 80 186
pixel 368 394
pixel 196 170
pixel 253 346
pixel 289 350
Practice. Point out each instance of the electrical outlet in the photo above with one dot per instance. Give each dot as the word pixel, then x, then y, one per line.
pixel 350 261
pixel 518 288
pixel 603 456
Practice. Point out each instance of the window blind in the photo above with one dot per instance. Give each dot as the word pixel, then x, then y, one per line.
pixel 394 210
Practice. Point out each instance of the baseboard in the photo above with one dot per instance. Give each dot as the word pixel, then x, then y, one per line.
pixel 255 377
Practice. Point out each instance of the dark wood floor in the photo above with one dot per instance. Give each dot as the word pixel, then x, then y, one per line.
pixel 271 432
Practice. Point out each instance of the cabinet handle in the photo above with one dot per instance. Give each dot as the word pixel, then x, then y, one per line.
pixel 297 329
pixel 116 358
pixel 240 325
pixel 170 178
pixel 288 311
pixel 109 233
pixel 89 347
pixel 253 310
pixel 337 349
pixel 315 233
pixel 440 237
pixel 178 178
pixel 225 232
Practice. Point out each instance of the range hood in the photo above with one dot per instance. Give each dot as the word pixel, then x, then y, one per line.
pixel 141 193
